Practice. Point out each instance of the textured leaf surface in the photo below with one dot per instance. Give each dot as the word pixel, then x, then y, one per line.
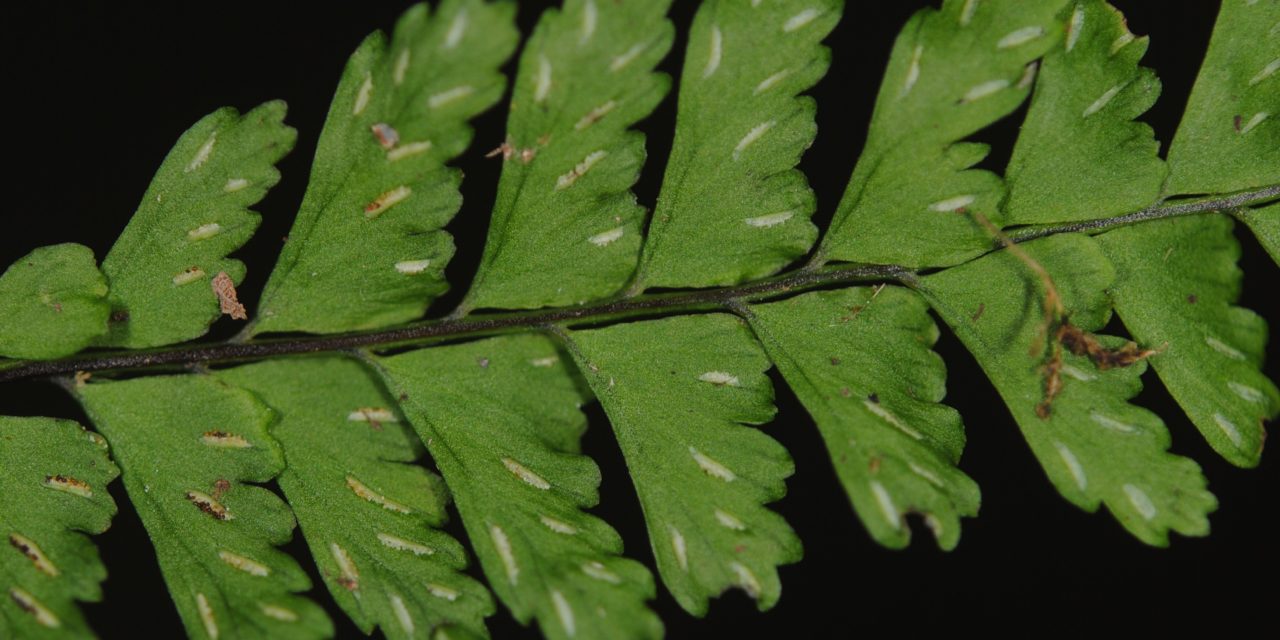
pixel 1229 137
pixel 187 446
pixel 680 393
pixel 1176 288
pixel 369 515
pixel 566 227
pixel 501 419
pixel 52 303
pixel 194 213
pixel 733 207
pixel 1080 155
pixel 952 72
pixel 1095 446
pixel 1265 223
pixel 367 249
pixel 53 490
pixel 859 360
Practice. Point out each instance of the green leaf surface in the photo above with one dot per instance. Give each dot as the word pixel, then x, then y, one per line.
pixel 733 207
pixel 370 516
pixel 187 447
pixel 860 361
pixel 53 490
pixel 367 249
pixel 52 303
pixel 501 420
pixel 194 213
pixel 680 393
pixel 1080 155
pixel 952 72
pixel 1229 137
pixel 1265 223
pixel 1176 290
pixel 566 227
pixel 1094 445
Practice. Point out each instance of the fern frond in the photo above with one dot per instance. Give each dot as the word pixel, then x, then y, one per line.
pixel 1095 446
pixel 52 303
pixel 369 515
pixel 501 419
pixel 1175 291
pixel 53 490
pixel 951 73
pixel 1265 224
pixel 187 446
pixel 733 207
pixel 192 216
pixel 1080 126
pixel 566 227
pixel 1229 137
pixel 370 224
pixel 859 359
pixel 701 473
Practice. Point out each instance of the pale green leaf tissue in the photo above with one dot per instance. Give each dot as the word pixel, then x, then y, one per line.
pixel 53 302
pixel 501 419
pixel 53 490
pixel 684 395
pixel 367 248
pixel 566 227
pixel 860 362
pixel 188 448
pixel 370 516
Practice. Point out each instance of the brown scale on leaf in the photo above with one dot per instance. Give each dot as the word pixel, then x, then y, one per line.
pixel 225 289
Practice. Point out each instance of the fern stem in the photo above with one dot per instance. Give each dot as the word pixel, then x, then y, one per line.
pixel 452 328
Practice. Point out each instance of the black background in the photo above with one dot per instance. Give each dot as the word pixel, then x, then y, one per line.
pixel 96 95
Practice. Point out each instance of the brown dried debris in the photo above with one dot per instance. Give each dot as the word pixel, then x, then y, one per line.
pixel 225 289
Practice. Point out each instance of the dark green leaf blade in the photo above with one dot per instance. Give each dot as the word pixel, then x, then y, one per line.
pixel 1176 290
pixel 952 72
pixel 1079 154
pixel 680 393
pixel 187 446
pixel 860 361
pixel 53 302
pixel 1094 445
pixel 566 227
pixel 501 419
pixel 733 207
pixel 370 225
pixel 53 490
pixel 194 213
pixel 371 518
pixel 1265 223
pixel 1229 137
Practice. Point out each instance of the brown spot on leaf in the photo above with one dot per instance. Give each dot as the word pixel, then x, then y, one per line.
pixel 1193 299
pixel 982 308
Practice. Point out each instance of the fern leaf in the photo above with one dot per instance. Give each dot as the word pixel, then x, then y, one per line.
pixel 859 360
pixel 370 223
pixel 1229 138
pixel 1079 155
pixel 194 213
pixel 501 419
pixel 733 207
pixel 1176 290
pixel 1093 444
pixel 679 392
pixel 1265 223
pixel 566 227
pixel 53 490
pixel 186 446
pixel 52 303
pixel 951 73
pixel 370 517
